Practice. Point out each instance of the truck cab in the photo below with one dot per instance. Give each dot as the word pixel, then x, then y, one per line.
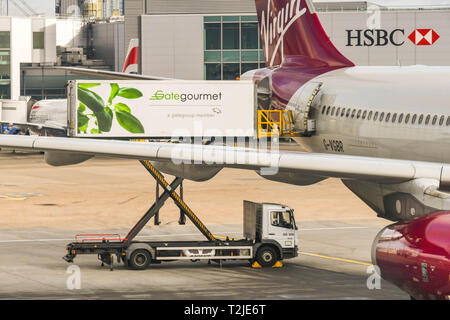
pixel 272 227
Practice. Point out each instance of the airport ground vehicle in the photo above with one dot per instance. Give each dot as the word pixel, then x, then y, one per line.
pixel 269 229
pixel 160 109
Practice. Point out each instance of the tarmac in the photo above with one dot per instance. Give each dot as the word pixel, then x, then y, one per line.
pixel 44 207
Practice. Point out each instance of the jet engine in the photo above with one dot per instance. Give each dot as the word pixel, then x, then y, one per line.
pixel 415 256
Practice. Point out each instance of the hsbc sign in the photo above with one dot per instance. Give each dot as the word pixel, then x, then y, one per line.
pixel 382 37
pixel 423 37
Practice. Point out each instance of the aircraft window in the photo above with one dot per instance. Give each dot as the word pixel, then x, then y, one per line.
pixel 394 117
pixel 441 120
pixel 421 119
pixel 400 118
pixel 381 116
pixel 407 118
pixel 388 116
pixel 323 109
pixel 353 113
pixel 364 114
pixel 343 112
pixel 348 113
pixel 332 111
pixel 448 121
pixel 337 111
pixel 434 120
pixel 427 119
pixel 359 114
pixel 370 116
pixel 328 110
pixel 413 120
pixel 375 117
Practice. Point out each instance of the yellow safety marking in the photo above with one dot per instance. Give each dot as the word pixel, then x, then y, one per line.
pixel 12 198
pixel 334 258
pixel 225 237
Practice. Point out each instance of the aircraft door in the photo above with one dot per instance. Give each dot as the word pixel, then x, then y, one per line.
pixel 300 106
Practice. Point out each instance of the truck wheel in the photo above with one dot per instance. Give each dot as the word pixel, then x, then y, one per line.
pixel 139 259
pixel 266 256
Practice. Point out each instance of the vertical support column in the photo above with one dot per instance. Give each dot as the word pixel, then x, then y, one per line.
pixel 182 219
pixel 157 221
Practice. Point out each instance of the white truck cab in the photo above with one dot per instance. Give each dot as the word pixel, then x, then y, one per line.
pixel 271 225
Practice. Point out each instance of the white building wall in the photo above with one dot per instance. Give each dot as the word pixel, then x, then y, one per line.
pixel 21 50
pixel 69 33
pixel 50 41
pixel 172 46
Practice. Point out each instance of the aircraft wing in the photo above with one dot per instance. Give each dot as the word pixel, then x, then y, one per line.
pixel 111 75
pixel 271 162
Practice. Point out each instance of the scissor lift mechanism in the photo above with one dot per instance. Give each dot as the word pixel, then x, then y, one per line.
pixel 108 245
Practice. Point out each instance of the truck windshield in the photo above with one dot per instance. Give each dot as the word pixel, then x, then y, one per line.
pixel 281 219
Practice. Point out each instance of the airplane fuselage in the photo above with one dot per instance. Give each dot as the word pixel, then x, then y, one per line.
pixel 387 112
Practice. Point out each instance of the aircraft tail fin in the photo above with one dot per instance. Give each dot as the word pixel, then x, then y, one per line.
pixel 132 59
pixel 292 28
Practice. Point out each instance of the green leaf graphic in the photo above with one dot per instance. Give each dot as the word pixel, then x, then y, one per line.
pixel 114 91
pixel 122 107
pixel 81 108
pixel 95 131
pixel 82 120
pixel 94 102
pixel 129 93
pixel 129 122
pixel 88 85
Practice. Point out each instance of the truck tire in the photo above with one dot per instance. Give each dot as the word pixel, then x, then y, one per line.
pixel 266 256
pixel 139 259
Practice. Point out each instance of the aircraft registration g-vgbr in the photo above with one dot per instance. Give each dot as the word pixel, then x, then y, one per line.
pixel 385 131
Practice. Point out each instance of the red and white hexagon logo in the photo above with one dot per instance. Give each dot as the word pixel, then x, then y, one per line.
pixel 423 37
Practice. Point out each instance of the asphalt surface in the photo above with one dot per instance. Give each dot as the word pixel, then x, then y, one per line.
pixel 333 264
pixel 43 208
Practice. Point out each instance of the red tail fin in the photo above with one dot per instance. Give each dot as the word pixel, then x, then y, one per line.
pixel 132 59
pixel 292 28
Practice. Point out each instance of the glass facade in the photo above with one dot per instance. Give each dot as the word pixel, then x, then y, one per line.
pixel 232 46
pixel 5 65
pixel 38 40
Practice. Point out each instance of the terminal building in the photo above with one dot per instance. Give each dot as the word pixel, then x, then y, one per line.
pixel 197 39
pixel 218 39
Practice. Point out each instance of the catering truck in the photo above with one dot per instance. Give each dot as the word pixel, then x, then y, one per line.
pixel 161 109
pixel 270 235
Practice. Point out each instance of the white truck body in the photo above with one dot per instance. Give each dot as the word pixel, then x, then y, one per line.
pixel 163 109
pixel 13 111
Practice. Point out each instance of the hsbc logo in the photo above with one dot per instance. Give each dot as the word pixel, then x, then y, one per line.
pixel 382 37
pixel 423 37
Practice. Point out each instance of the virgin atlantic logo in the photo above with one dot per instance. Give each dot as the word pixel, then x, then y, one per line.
pixel 275 25
pixel 423 37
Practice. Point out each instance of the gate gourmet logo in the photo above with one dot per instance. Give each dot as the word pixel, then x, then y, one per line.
pixel 183 97
pixel 274 26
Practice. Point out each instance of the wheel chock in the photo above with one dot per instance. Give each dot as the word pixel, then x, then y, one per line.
pixel 256 265
pixel 278 264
